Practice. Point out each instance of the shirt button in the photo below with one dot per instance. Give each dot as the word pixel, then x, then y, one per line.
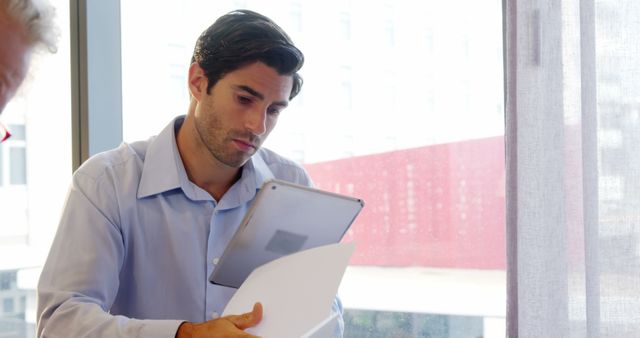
pixel 215 315
pixel 216 260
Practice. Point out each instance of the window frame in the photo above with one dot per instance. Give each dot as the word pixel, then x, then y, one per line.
pixel 96 78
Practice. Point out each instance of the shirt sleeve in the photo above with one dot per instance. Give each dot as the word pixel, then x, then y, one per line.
pixel 80 278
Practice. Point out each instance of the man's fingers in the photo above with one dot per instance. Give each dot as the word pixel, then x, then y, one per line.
pixel 257 311
pixel 248 319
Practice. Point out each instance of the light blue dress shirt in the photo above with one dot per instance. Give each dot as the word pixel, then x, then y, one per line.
pixel 137 242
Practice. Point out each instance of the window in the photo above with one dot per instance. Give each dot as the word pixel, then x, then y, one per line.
pixel 401 106
pixel 7 305
pixel 23 303
pixel 18 169
pixel 296 15
pixel 15 162
pixel 344 22
pixel 18 132
pixel 7 280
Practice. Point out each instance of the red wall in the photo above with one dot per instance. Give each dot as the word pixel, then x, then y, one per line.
pixel 434 206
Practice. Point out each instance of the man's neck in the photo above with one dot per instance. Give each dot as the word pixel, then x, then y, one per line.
pixel 202 168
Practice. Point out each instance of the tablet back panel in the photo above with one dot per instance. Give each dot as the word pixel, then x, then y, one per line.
pixel 284 218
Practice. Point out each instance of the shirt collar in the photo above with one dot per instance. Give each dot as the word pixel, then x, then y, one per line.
pixel 163 171
pixel 254 173
pixel 259 169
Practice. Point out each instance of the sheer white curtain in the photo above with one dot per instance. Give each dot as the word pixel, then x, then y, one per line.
pixel 573 164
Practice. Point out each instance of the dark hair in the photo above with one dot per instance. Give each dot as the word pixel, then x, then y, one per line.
pixel 241 37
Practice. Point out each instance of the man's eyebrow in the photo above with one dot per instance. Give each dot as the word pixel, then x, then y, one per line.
pixel 259 95
pixel 251 91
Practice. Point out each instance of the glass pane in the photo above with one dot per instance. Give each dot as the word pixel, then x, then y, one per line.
pixel 7 280
pixel 7 306
pixel 18 162
pixel 402 106
pixel 18 132
pixel 617 250
pixel 35 173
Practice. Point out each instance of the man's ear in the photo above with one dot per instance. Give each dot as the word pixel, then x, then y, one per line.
pixel 198 82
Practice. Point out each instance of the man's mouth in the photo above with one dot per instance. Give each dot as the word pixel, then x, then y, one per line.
pixel 245 146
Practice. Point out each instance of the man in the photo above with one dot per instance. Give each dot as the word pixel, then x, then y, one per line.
pixel 144 224
pixel 24 25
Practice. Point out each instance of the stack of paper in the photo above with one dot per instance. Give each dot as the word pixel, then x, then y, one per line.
pixel 296 292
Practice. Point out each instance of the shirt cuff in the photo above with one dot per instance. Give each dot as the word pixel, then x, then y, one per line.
pixel 160 328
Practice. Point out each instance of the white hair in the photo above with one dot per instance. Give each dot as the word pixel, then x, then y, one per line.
pixel 37 18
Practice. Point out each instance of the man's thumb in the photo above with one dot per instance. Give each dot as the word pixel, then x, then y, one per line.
pixel 249 319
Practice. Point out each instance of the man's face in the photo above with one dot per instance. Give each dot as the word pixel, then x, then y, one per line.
pixel 240 111
pixel 14 58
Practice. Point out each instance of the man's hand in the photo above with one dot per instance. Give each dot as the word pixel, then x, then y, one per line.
pixel 229 326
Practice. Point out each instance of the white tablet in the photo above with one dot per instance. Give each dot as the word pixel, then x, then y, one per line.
pixel 284 218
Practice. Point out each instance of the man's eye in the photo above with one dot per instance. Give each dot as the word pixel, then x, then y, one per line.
pixel 244 99
pixel 273 111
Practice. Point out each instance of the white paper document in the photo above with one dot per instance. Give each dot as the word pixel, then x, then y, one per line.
pixel 296 292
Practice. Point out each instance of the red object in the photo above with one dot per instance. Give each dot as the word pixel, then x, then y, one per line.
pixel 4 133
pixel 435 206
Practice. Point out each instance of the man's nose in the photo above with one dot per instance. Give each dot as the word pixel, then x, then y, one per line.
pixel 256 121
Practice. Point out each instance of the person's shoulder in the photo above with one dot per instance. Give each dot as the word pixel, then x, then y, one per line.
pixel 126 158
pixel 284 168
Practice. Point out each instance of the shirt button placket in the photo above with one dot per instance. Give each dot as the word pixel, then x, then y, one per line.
pixel 210 301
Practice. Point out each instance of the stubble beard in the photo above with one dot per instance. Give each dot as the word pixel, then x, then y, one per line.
pixel 233 158
pixel 220 144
